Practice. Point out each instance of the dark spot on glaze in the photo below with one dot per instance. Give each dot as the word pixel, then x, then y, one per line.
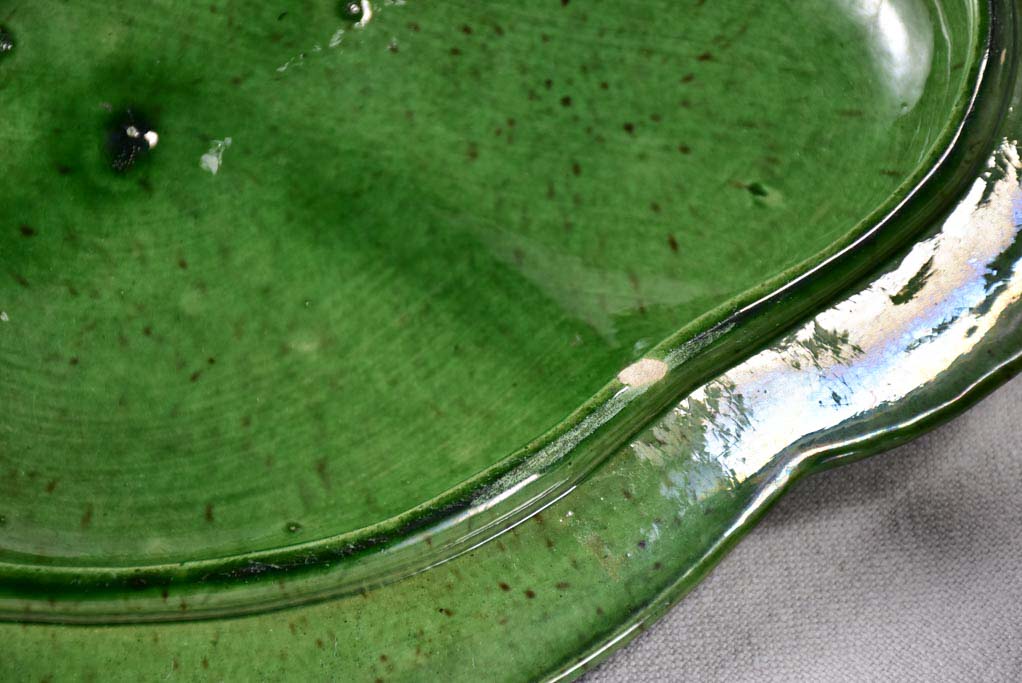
pixel 684 149
pixel 383 658
pixel 657 565
pixel 529 593
pixel 672 242
pixel 182 264
pixel 705 57
pixel 51 485
pixel 194 377
pixel 566 101
pixel 576 168
pixel 73 361
pixel 562 585
pixel 504 587
pixel 688 78
pixel 757 189
pixel 26 230
pixel 164 593
pixel 641 545
pixel 208 514
pixel 455 52
pixel 466 29
pixel 629 128
pixel 280 17
pixel 654 207
pixel 319 643
pixel 205 663
pixel 446 612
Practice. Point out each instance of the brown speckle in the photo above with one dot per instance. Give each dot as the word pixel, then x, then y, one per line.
pixel 576 168
pixel 182 264
pixel 529 593
pixel 504 587
pixel 688 78
pixel 705 57
pixel 629 128
pixel 205 663
pixel 73 360
pixel 208 514
pixel 446 612
pixel 566 101
pixel 86 521
pixel 672 242
pixel 563 585
pixel 321 471
pixel 455 52
pixel 51 485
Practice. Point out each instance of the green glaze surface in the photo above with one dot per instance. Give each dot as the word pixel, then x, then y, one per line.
pixel 346 407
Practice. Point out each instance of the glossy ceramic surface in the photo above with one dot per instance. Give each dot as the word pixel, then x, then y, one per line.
pixel 341 342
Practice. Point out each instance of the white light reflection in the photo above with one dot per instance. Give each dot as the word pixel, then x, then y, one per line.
pixel 856 356
pixel 900 35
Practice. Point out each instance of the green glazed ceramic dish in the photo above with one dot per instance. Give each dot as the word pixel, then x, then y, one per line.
pixel 407 340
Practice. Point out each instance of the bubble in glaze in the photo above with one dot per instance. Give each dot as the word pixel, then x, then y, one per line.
pixel 130 138
pixel 6 42
pixel 351 9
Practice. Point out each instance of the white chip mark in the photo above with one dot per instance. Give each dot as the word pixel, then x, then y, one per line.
pixel 152 138
pixel 336 38
pixel 643 373
pixel 212 159
pixel 367 14
pixel 3 317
